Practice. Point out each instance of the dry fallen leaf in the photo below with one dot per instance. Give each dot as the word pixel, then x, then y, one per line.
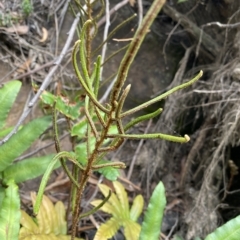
pixel 44 35
pixel 25 66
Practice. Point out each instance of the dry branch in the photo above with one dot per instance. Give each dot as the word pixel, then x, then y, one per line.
pixel 207 41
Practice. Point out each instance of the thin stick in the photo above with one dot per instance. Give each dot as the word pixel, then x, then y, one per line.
pixel 57 34
pixel 105 35
pixel 48 64
pixel 222 25
pixel 208 42
pixel 46 81
pixel 63 14
pixel 140 12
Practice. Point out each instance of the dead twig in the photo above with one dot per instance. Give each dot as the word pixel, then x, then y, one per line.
pixel 207 41
pixel 105 35
pixel 49 64
pixel 46 81
pixel 140 12
pixel 222 25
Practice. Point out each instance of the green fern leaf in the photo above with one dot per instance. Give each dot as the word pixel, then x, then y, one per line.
pixel 8 94
pixel 4 132
pixel 110 173
pixel 10 213
pixel 28 169
pixel 153 218
pixel 22 140
pixel 229 231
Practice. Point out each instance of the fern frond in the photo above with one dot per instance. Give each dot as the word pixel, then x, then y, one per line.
pixel 137 207
pixel 108 229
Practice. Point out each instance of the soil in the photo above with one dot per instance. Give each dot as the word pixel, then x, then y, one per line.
pixel 202 191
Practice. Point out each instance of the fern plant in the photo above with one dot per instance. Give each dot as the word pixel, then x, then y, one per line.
pixel 9 211
pixel 28 168
pixel 152 221
pixel 103 125
pixel 122 215
pixel 229 231
pixel 12 173
pixel 50 223
pixel 150 228
pixel 99 118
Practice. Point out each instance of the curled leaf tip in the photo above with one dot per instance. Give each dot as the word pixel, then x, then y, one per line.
pixel 128 87
pixel 88 21
pixel 78 42
pixel 121 165
pixel 187 138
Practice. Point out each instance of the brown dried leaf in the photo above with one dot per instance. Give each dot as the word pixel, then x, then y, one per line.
pixel 25 66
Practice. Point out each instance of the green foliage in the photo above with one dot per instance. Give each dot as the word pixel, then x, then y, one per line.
pixel 8 19
pixel 122 216
pixel 19 142
pixel 152 222
pixel 11 172
pixel 8 94
pixel 108 172
pixel 118 207
pixel 229 231
pixel 10 213
pixel 63 105
pixel 50 223
pixel 27 169
pixel 27 7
